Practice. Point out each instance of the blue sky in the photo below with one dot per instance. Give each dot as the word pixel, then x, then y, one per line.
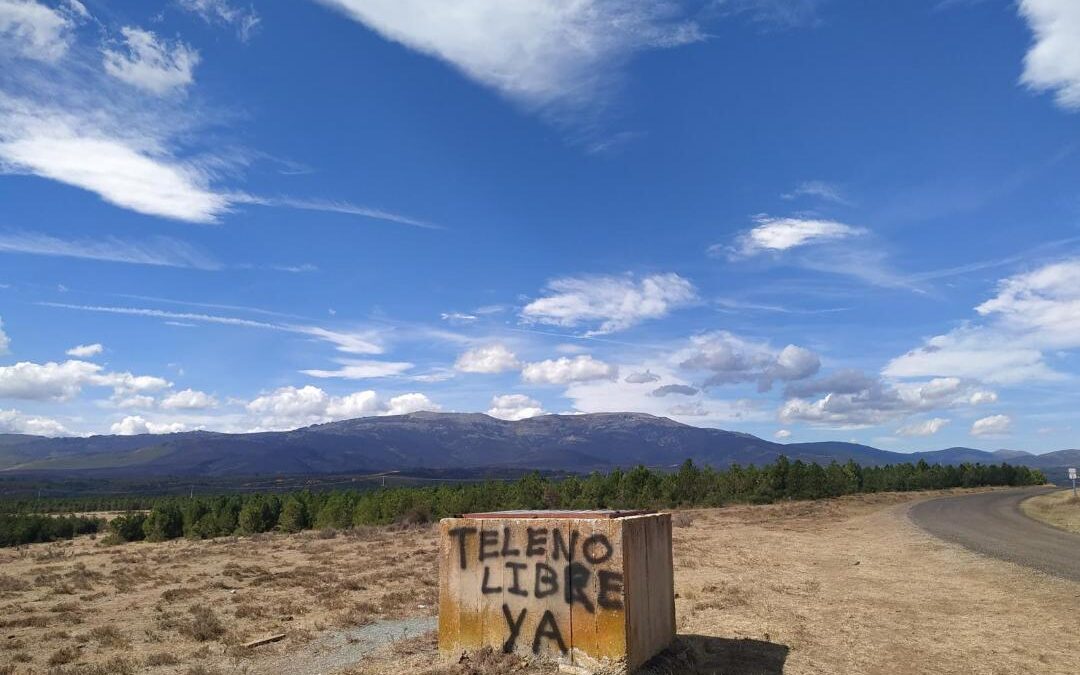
pixel 802 219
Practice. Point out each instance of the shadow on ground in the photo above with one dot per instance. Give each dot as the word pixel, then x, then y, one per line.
pixel 706 655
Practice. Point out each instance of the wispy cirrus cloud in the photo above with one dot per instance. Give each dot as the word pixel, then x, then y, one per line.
pixel 98 119
pixel 544 55
pixel 361 370
pixel 358 342
pixel 245 20
pixel 159 251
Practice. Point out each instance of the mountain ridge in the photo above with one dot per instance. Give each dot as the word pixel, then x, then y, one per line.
pixel 430 440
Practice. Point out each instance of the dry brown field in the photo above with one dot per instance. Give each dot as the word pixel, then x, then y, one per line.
pixel 1060 509
pixel 837 586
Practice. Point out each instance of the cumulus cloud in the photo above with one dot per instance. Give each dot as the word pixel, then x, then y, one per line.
pixel 1053 61
pixel 679 389
pixel 150 63
pixel 410 403
pixel 995 425
pixel 35 31
pixel 782 435
pixel 5 341
pixel 292 407
pixel 783 234
pixel 85 351
pixel 514 407
pixel 609 303
pixel 1032 313
pixel 135 425
pixel 244 20
pixel 865 401
pixel 494 358
pixel 729 359
pixel 16 422
pixel 644 377
pixel 924 428
pixel 362 370
pixel 189 399
pixel 62 381
pixel 566 370
pixel 564 53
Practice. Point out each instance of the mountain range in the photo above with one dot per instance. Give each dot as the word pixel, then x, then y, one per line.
pixel 425 440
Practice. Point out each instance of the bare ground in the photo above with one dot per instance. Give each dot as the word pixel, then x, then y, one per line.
pixel 1060 509
pixel 839 586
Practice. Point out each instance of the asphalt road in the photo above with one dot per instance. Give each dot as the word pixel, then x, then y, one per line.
pixel 991 523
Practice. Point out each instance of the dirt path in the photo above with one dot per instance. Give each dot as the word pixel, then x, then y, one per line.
pixel 993 524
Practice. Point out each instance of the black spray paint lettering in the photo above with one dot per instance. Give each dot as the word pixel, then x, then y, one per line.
pixel 596 549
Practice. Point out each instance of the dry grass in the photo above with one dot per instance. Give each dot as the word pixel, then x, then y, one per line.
pixel 844 586
pixel 1060 509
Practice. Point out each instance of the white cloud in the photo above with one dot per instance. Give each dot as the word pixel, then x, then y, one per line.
pixel 62 381
pixel 16 422
pixel 1031 314
pixel 1053 62
pixel 34 31
pixel 135 424
pixel 410 403
pixel 981 397
pixel 514 407
pixel 995 425
pixel 458 317
pixel 852 399
pixel 189 399
pixel 292 407
pixel 729 359
pixel 5 341
pixel 783 234
pixel 542 54
pixel 245 21
pixel 819 189
pixel 566 370
pixel 158 250
pixel 494 358
pixel 924 428
pixel 611 303
pixel 129 168
pixel 85 351
pixel 362 370
pixel 140 401
pixel 152 64
pixel 782 435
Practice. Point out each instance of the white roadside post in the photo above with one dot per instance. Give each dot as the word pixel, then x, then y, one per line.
pixel 1072 477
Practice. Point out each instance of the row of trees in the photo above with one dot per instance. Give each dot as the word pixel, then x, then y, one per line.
pixel 19 529
pixel 690 486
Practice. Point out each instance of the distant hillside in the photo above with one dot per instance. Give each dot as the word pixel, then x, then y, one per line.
pixel 449 441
